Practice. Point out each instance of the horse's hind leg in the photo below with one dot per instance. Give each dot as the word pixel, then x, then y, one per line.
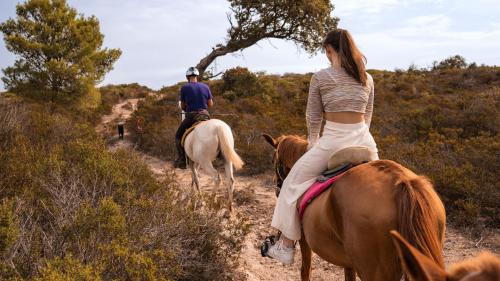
pixel 228 166
pixel 195 181
pixel 212 172
pixel 305 250
pixel 371 253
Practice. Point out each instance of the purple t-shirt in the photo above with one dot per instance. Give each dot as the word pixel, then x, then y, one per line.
pixel 196 96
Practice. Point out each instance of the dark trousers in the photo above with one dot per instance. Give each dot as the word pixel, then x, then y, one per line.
pixel 189 121
pixel 121 131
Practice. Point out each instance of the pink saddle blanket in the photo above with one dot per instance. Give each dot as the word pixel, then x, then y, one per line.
pixel 314 191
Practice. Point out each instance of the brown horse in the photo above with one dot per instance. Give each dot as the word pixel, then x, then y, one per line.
pixel 485 267
pixel 348 224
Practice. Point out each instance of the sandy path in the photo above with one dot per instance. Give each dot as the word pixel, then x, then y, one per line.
pixel 259 212
pixel 122 110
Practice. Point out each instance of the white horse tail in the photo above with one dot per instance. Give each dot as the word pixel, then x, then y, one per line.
pixel 227 146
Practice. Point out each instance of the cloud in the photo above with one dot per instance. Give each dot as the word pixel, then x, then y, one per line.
pixel 437 22
pixel 350 7
pixel 422 39
pixel 160 38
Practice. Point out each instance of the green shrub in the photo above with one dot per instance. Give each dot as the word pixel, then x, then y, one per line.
pixel 67 268
pixel 113 94
pixel 9 228
pixel 239 82
pixel 454 62
pixel 70 209
pixel 442 123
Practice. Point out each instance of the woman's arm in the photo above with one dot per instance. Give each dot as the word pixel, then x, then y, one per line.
pixel 369 105
pixel 314 111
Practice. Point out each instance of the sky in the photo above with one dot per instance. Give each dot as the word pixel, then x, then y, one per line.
pixel 160 39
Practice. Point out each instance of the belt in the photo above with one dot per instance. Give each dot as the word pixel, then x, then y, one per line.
pixel 198 112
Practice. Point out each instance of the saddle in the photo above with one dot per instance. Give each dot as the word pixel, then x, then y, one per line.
pixel 339 163
pixel 188 131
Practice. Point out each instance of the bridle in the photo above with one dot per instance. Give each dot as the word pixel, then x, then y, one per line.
pixel 281 172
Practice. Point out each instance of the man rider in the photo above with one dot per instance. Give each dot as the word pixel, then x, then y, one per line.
pixel 195 98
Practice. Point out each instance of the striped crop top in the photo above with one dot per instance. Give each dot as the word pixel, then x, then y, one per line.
pixel 333 90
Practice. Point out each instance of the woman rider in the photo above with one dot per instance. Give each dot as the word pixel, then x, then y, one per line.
pixel 343 95
pixel 195 98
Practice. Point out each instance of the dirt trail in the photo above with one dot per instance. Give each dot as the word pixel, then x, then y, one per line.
pixel 258 209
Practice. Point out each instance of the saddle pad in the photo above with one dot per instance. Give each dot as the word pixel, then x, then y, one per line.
pixel 188 131
pixel 316 189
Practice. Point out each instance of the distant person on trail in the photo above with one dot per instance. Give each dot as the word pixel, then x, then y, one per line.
pixel 121 131
pixel 343 95
pixel 195 99
pixel 121 128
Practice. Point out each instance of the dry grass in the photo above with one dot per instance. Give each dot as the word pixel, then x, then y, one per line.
pixel 442 123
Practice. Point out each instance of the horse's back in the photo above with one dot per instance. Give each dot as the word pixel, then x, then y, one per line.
pixel 363 202
pixel 209 128
pixel 359 203
pixel 203 141
pixel 369 196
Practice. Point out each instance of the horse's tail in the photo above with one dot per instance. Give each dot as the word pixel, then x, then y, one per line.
pixel 227 146
pixel 421 217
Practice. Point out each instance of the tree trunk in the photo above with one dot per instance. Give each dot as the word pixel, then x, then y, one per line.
pixel 206 61
pixel 222 50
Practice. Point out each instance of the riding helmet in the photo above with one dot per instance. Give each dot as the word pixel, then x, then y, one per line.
pixel 192 71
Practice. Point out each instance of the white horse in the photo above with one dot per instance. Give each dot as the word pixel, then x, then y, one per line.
pixel 202 147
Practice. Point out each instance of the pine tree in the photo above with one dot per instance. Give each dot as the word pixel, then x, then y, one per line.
pixel 59 52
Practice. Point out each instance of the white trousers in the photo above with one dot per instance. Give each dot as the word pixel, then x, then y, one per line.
pixel 314 162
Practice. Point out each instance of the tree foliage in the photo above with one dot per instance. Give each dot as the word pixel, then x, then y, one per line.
pixel 303 22
pixel 239 82
pixel 453 62
pixel 60 52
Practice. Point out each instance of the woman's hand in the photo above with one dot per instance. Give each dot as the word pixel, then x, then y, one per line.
pixel 310 144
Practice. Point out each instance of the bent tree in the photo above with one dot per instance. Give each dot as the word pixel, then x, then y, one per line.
pixel 304 22
pixel 59 52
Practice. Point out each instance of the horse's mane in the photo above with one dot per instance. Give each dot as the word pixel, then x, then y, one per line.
pixel 290 149
pixel 486 263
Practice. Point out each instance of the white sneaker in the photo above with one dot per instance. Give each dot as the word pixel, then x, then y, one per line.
pixel 281 253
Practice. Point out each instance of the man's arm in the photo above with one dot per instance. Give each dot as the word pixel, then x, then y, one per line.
pixel 183 99
pixel 210 101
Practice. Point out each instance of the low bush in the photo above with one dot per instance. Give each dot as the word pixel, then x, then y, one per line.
pixel 113 94
pixel 71 209
pixel 443 123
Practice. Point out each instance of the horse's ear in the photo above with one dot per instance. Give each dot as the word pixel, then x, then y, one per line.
pixel 414 263
pixel 270 140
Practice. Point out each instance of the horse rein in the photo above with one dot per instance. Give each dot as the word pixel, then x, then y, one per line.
pixel 281 173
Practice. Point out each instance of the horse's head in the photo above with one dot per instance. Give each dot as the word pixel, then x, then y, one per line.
pixel 287 150
pixel 419 267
